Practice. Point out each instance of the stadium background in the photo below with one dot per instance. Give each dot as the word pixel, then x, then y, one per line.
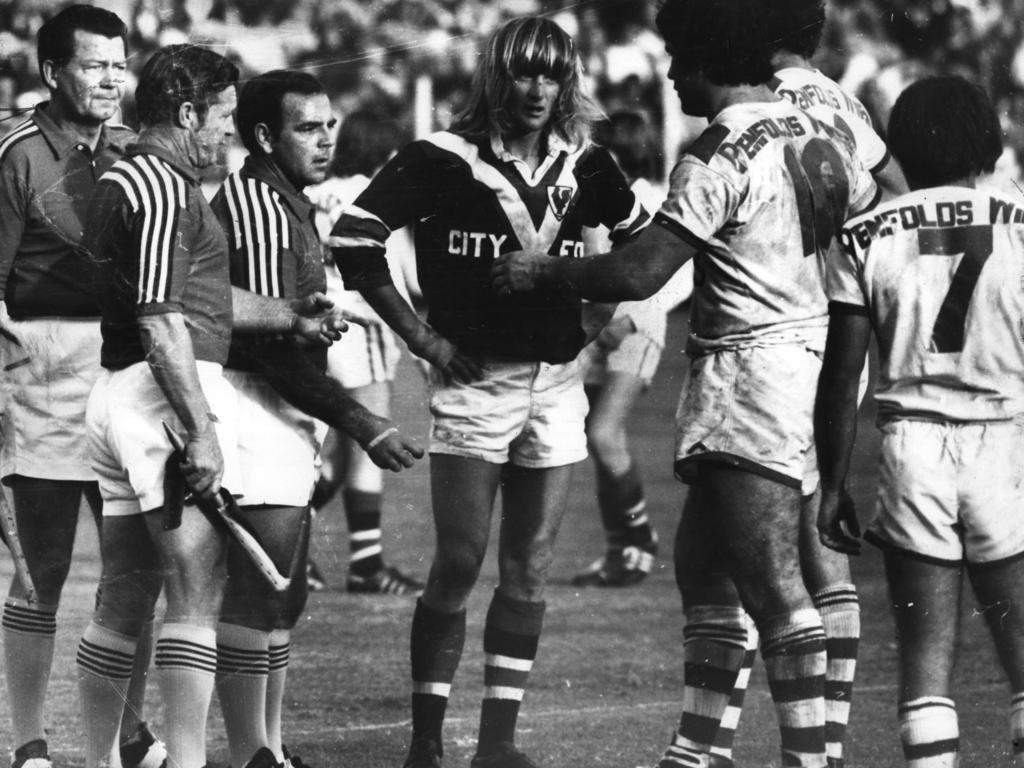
pixel 607 684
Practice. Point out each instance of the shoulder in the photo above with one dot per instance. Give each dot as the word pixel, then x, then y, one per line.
pixel 149 183
pixel 21 143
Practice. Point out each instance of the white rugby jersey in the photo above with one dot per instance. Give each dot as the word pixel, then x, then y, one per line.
pixel 823 98
pixel 761 194
pixel 940 272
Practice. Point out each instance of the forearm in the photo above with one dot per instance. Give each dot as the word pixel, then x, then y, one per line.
pixel 594 317
pixel 255 313
pixel 835 428
pixel 401 318
pixel 296 378
pixel 169 353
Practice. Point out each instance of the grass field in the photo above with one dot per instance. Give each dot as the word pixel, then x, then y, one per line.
pixel 606 687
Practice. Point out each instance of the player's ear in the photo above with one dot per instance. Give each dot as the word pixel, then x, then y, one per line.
pixel 187 116
pixel 262 133
pixel 49 73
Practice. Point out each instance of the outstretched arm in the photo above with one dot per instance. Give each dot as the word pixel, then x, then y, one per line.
pixel 311 317
pixel 630 272
pixel 295 377
pixel 835 426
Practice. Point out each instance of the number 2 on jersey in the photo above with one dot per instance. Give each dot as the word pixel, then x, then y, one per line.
pixel 975 243
pixel 822 192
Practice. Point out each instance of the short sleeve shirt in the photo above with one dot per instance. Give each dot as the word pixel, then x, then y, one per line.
pixel 760 195
pixel 275 249
pixel 940 272
pixel 471 201
pixel 158 249
pixel 47 176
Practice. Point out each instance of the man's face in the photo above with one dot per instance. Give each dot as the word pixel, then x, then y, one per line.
pixel 89 86
pixel 302 150
pixel 215 129
pixel 532 102
pixel 690 85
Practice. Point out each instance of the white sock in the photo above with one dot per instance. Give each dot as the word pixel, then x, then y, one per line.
pixel 29 632
pixel 280 648
pixel 243 662
pixel 186 662
pixel 105 660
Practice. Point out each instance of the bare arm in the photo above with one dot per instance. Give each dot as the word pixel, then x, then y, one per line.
pixel 295 377
pixel 312 317
pixel 168 348
pixel 631 272
pixel 422 340
pixel 890 179
pixel 595 317
pixel 835 427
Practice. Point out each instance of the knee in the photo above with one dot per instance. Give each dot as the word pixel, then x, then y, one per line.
pixel 125 603
pixel 457 567
pixel 605 442
pixel 524 574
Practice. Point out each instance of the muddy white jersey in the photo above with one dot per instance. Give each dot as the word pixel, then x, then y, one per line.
pixel 823 98
pixel 761 195
pixel 940 272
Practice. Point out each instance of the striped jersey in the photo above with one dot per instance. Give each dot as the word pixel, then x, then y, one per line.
pixel 761 194
pixel 46 178
pixel 159 249
pixel 273 243
pixel 809 89
pixel 471 201
pixel 940 272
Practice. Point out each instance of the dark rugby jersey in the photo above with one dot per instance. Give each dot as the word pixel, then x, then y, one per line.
pixel 273 242
pixel 469 205
pixel 46 178
pixel 159 249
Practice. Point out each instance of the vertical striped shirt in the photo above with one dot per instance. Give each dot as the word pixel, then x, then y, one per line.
pixel 159 249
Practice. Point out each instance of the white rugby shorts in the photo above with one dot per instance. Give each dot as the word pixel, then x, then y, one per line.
pixel 751 407
pixel 277 445
pixel 129 446
pixel 951 493
pixel 637 356
pixel 47 380
pixel 528 414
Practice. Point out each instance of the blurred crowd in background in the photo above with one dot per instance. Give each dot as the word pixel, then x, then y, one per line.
pixel 371 53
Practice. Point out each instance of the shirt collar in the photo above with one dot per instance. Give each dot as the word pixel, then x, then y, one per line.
pixel 153 145
pixel 63 141
pixel 262 167
pixel 555 146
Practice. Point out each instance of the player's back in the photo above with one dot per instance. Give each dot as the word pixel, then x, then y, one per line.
pixel 762 193
pixel 822 97
pixel 942 270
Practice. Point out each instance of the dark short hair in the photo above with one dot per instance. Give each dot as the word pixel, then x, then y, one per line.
pixel 629 137
pixel 942 129
pixel 731 41
pixel 179 73
pixel 801 24
pixel 261 100
pixel 56 39
pixel 365 141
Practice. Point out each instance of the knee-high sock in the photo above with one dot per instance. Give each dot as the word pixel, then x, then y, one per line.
pixel 930 732
pixel 279 652
pixel 29 633
pixel 511 636
pixel 362 513
pixel 840 616
pixel 435 649
pixel 714 646
pixel 135 700
pixel 731 719
pixel 1017 727
pixel 243 663
pixel 623 508
pixel 186 663
pixel 793 649
pixel 105 661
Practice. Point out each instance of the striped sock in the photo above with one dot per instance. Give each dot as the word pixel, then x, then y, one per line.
pixel 714 642
pixel 243 664
pixel 362 512
pixel 1017 728
pixel 186 662
pixel 840 616
pixel 279 652
pixel 105 660
pixel 731 719
pixel 435 649
pixel 793 649
pixel 511 636
pixel 29 634
pixel 929 732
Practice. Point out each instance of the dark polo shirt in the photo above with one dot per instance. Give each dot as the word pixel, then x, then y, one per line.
pixel 47 176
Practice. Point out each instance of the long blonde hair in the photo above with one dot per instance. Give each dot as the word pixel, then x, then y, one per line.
pixel 530 45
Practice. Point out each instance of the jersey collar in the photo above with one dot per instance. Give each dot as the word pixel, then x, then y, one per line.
pixel 62 141
pixel 263 168
pixel 152 144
